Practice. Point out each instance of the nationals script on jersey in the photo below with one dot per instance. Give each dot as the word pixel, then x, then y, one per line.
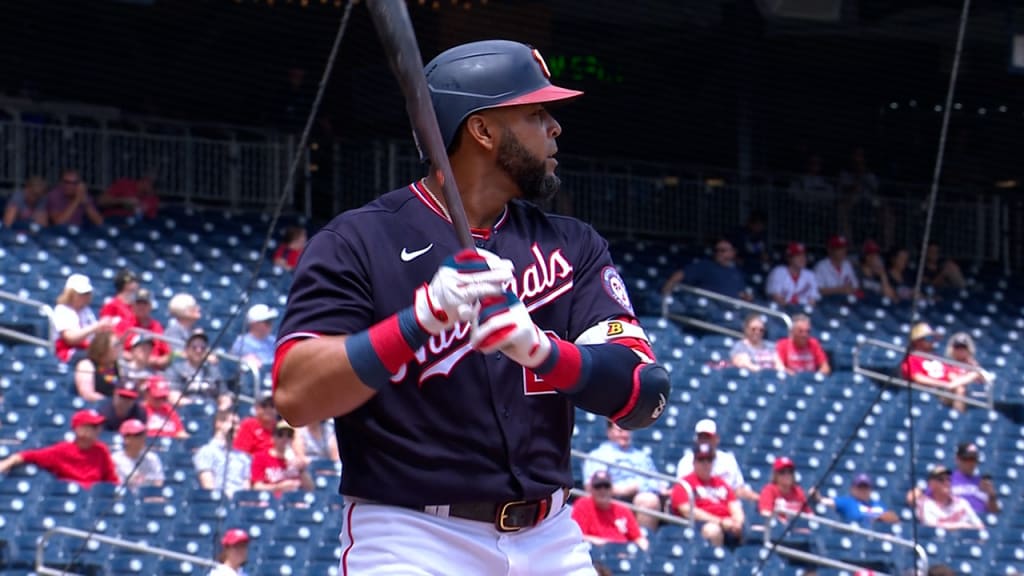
pixel 455 425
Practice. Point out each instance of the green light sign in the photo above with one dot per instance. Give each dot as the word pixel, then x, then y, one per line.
pixel 582 68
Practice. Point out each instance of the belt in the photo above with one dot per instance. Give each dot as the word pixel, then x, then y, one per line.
pixel 511 516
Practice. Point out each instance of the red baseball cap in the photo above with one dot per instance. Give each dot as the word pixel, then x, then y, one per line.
pixel 234 536
pixel 781 463
pixel 158 387
pixel 87 417
pixel 871 247
pixel 131 427
pixel 837 242
pixel 795 249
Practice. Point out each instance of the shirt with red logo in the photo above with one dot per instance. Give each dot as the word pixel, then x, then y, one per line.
pixel 270 469
pixel 614 524
pixel 252 437
pixel 713 496
pixel 807 359
pixel 163 421
pixel 794 500
pixel 916 365
pixel 66 461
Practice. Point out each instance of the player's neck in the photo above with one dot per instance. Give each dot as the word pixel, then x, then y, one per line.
pixel 483 203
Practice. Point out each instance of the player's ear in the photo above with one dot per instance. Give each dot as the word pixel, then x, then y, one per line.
pixel 481 129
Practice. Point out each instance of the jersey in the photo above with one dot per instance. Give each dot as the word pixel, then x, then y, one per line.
pixel 828 275
pixel 455 425
pixel 810 358
pixel 713 496
pixel 616 523
pixel 801 289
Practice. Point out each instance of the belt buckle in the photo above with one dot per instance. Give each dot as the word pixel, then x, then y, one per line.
pixel 503 514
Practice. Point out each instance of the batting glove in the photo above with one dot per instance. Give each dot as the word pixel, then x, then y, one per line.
pixel 503 324
pixel 457 287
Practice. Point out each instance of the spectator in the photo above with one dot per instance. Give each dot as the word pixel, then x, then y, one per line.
pixel 255 434
pixel 942 508
pixel 27 205
pixel 976 489
pixel 143 309
pixel 812 187
pixel 719 275
pixel 860 507
pixel 161 417
pixel 276 469
pixel 752 352
pixel 643 491
pixel 716 509
pixel 899 278
pixel 783 486
pixel 149 471
pixel 233 555
pixel 793 283
pixel 749 241
pixel 258 344
pixel 84 460
pixel 185 314
pixel 961 348
pixel 603 520
pixel 189 376
pixel 317 442
pixel 69 202
pixel 96 376
pixel 73 320
pixel 135 367
pixel 119 307
pixel 874 279
pixel 122 406
pixel 287 254
pixel 724 466
pixel 221 468
pixel 932 371
pixel 130 197
pixel 801 352
pixel 835 275
pixel 942 273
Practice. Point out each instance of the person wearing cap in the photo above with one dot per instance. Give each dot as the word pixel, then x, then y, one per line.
pixel 792 284
pixel 161 417
pixel 276 469
pixel 287 254
pixel 967 483
pixel 85 460
pixel 941 508
pixel 783 490
pixel 135 366
pixel 258 343
pixel 719 274
pixel 98 374
pixel 753 352
pixel 716 509
pixel 801 352
pixel 860 507
pixel 602 519
pixel 135 466
pixel 874 278
pixel 933 371
pixel 724 466
pixel 123 405
pixel 234 553
pixel 189 376
pixel 119 306
pixel 643 491
pixel 256 433
pixel 73 321
pixel 218 466
pixel 160 357
pixel 835 275
pixel 185 314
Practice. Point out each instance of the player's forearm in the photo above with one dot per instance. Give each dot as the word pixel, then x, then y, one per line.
pixel 316 381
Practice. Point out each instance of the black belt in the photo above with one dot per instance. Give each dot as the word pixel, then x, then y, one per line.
pixel 510 516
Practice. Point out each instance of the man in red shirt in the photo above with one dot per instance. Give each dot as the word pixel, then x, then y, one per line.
pixel 602 519
pixel 273 469
pixel 715 504
pixel 129 197
pixel 801 352
pixel 143 314
pixel 255 433
pixel 120 306
pixel 85 460
pixel 933 372
pixel 161 418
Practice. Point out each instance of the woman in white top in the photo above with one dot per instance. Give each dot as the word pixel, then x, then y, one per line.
pixel 317 442
pixel 234 553
pixel 74 321
pixel 752 352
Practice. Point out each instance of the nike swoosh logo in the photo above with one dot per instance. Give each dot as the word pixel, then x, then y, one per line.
pixel 410 256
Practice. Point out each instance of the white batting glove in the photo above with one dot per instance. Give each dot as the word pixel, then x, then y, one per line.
pixel 457 287
pixel 503 324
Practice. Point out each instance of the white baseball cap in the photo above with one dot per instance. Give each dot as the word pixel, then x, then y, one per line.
pixel 260 313
pixel 706 426
pixel 79 283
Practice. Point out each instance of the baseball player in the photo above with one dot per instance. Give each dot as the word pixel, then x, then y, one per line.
pixel 453 375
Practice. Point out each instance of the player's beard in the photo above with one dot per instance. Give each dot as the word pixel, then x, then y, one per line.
pixel 526 170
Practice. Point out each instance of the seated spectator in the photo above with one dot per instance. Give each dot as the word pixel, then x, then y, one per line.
pixel 859 507
pixel 942 273
pixel 287 254
pixel 752 352
pixel 69 203
pixel 725 465
pixel 161 417
pixel 276 469
pixel 120 307
pixel 812 187
pixel 900 277
pixel 317 442
pixel 84 460
pixel 858 187
pixel 932 371
pixel 189 376
pixel 148 470
pixel 218 466
pixel 642 491
pixel 257 345
pixel 27 205
pixel 255 434
pixel 122 406
pixel 135 366
pixel 185 314
pixel 73 320
pixel 792 283
pixel 835 275
pixel 160 357
pixel 716 510
pixel 976 489
pixel 961 348
pixel 719 275
pixel 603 520
pixel 801 352
pixel 233 555
pixel 782 487
pixel 97 375
pixel 750 243
pixel 942 508
pixel 130 197
pixel 874 279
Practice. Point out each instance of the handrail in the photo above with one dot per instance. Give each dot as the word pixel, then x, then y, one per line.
pixel 45 310
pixel 118 542
pixel 656 475
pixel 667 301
pixel 901 382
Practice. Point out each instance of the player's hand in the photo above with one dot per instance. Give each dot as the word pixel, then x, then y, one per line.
pixel 457 287
pixel 503 324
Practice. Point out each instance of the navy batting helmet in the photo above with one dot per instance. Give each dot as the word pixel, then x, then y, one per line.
pixel 488 74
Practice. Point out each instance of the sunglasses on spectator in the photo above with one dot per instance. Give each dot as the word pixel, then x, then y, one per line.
pixel 285 434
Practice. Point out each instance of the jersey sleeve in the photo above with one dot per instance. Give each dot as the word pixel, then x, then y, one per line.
pixel 331 291
pixel 679 497
pixel 599 293
pixel 42 457
pixel 775 284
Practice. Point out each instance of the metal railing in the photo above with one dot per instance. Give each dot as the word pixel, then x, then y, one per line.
pixel 45 310
pixel 667 302
pixel 890 380
pixel 43 570
pixel 655 475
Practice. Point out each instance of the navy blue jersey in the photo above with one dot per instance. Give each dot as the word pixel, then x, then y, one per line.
pixel 455 425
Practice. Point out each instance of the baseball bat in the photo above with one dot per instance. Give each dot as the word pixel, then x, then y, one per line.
pixel 391 19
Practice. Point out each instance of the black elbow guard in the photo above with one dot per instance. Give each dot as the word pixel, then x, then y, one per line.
pixel 617 385
pixel 653 387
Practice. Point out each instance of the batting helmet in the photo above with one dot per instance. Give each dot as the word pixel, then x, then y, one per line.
pixel 488 74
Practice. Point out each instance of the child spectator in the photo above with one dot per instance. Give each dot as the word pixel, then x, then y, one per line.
pixel 96 376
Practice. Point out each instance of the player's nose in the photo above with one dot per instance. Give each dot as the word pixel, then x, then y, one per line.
pixel 554 128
